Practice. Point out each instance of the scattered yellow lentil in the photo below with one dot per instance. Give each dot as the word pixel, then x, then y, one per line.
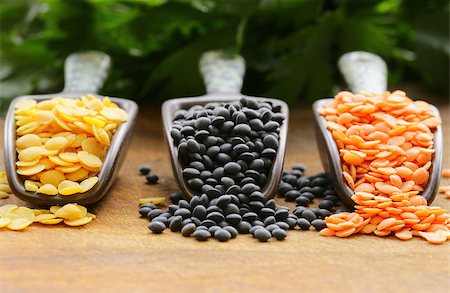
pixel 4 222
pixel 63 139
pixel 153 200
pixel 5 191
pixel 78 222
pixel 19 218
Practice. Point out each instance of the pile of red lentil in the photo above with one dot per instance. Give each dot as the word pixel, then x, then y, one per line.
pixel 386 147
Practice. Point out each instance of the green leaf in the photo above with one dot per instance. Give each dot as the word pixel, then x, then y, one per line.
pixel 177 74
pixel 364 35
pixel 306 72
pixel 430 34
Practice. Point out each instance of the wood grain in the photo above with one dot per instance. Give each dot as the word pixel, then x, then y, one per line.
pixel 117 253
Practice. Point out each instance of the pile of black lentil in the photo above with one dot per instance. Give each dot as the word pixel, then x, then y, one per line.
pixel 226 151
pixel 227 148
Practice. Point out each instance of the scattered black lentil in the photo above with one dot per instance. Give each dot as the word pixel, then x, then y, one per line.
pixel 157 227
pixel 226 151
pixel 202 234
pixel 152 178
pixel 145 169
pixel 303 224
pixel 318 224
pixel 279 234
pixel 222 235
pixel 305 191
pixel 226 216
pixel 262 234
pixel 188 229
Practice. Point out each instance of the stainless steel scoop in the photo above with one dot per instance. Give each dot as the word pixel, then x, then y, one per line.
pixel 85 73
pixel 223 79
pixel 365 72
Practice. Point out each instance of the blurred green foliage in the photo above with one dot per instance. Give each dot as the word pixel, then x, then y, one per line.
pixel 291 46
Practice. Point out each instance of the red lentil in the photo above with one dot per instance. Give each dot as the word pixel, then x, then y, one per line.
pixel 446 173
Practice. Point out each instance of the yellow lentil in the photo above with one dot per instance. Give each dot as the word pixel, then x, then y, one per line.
pixel 69 212
pixel 28 171
pixel 31 186
pixel 19 224
pixel 52 177
pixel 40 217
pixel 87 184
pixel 68 187
pixel 48 189
pixel 153 200
pixel 51 221
pixel 4 222
pixel 78 222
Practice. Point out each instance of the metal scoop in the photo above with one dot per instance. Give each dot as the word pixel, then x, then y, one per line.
pixel 84 74
pixel 365 72
pixel 223 79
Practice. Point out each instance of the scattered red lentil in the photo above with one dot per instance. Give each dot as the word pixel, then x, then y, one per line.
pixel 386 147
pixel 445 189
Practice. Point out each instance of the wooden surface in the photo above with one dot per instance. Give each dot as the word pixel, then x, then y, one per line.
pixel 117 253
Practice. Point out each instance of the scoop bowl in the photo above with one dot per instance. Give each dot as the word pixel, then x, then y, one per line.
pixel 85 73
pixel 331 161
pixel 113 161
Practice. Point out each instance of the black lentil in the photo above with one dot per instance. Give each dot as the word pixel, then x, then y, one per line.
pixel 291 222
pixel 262 234
pixel 144 211
pixel 222 235
pixel 303 224
pixel 308 215
pixel 244 227
pixel 201 234
pixel 188 229
pixel 144 169
pixel 157 227
pixel 319 224
pixel 175 197
pixel 152 178
pixel 213 229
pixel 161 219
pixel 154 213
pixel 283 225
pixel 279 234
pixel 272 227
pixel 175 224
pixel 233 231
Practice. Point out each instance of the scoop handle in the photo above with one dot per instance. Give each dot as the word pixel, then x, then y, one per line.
pixel 86 71
pixel 222 74
pixel 364 72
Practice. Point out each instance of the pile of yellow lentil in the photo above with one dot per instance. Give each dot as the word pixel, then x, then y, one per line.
pixel 386 147
pixel 61 142
pixel 18 218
